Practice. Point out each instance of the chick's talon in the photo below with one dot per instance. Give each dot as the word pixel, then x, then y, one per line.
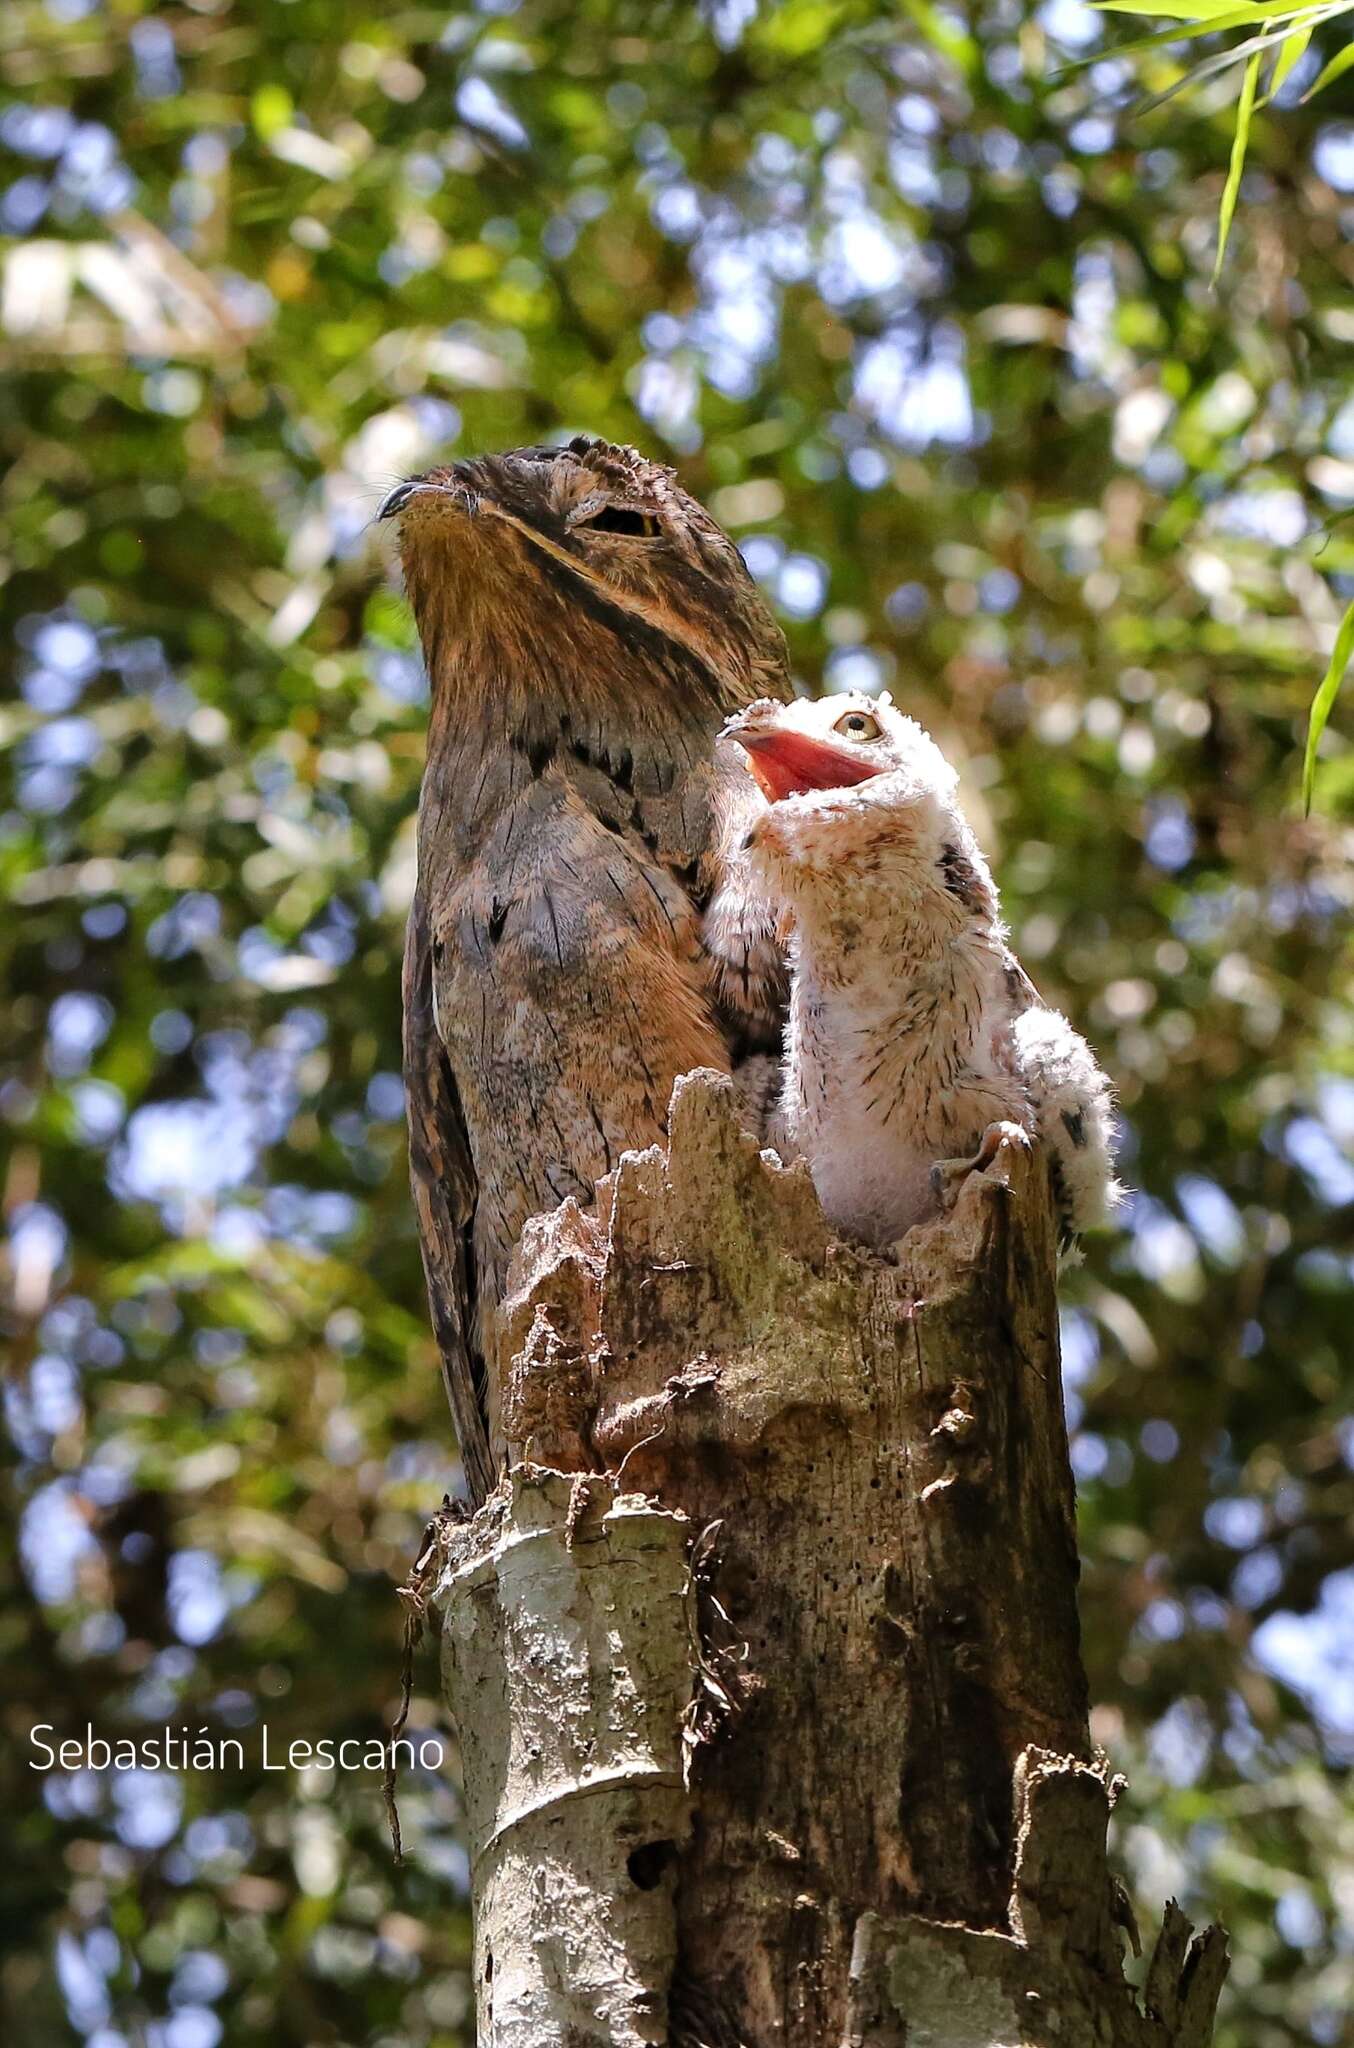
pixel 948 1175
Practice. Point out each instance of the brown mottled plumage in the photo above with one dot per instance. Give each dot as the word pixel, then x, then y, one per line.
pixel 587 627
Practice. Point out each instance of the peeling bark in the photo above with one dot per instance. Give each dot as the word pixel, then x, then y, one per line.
pixel 765 1658
pixel 565 1648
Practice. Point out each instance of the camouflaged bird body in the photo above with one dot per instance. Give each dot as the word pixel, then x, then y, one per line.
pixel 577 819
pixel 570 982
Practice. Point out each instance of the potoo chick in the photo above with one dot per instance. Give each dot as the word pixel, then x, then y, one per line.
pixel 587 628
pixel 916 1040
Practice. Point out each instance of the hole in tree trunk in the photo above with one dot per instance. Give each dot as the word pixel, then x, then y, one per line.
pixel 647 1863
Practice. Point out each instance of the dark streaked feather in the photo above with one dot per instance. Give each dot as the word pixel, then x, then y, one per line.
pixel 963 881
pixel 443 1180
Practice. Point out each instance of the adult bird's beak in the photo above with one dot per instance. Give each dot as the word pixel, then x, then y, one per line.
pixel 395 500
pixel 786 763
pixel 443 484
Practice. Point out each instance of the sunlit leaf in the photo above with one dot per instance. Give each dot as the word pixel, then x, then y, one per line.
pixel 1213 66
pixel 1324 701
pixel 1238 17
pixel 1336 68
pixel 1291 52
pixel 1245 105
pixel 1210 11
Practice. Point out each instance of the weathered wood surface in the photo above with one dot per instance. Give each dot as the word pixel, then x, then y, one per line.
pixel 774 1730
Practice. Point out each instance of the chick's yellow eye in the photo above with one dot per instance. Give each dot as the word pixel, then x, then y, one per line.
pixel 858 725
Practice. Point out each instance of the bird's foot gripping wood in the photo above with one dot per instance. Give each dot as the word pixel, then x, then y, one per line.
pixel 948 1175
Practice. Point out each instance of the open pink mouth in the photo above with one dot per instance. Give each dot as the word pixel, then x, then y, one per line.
pixel 789 763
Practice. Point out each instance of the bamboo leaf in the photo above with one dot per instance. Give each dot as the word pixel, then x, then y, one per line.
pixel 1339 64
pixel 1292 49
pixel 1245 107
pixel 1201 10
pixel 1167 7
pixel 1211 67
pixel 1190 31
pixel 1324 700
pixel 1305 17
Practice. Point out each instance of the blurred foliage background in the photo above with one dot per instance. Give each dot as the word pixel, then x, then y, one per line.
pixel 924 313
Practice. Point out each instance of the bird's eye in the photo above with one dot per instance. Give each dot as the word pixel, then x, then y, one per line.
pixel 858 725
pixel 622 519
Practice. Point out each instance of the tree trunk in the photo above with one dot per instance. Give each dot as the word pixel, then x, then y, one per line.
pixel 765 1658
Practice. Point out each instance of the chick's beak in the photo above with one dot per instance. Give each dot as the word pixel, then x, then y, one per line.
pixel 785 763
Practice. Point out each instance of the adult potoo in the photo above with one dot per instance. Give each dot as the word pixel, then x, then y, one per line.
pixel 587 628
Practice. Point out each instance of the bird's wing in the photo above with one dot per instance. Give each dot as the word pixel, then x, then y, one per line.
pixel 741 934
pixel 1073 1106
pixel 443 1177
pixel 1020 990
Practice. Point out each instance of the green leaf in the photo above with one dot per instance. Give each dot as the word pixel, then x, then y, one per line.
pixel 1292 48
pixel 1184 32
pixel 1212 67
pixel 1244 109
pixel 1339 64
pixel 1324 700
pixel 1203 11
pixel 1168 7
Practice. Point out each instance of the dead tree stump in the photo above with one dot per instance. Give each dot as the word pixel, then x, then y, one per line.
pixel 765 1658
